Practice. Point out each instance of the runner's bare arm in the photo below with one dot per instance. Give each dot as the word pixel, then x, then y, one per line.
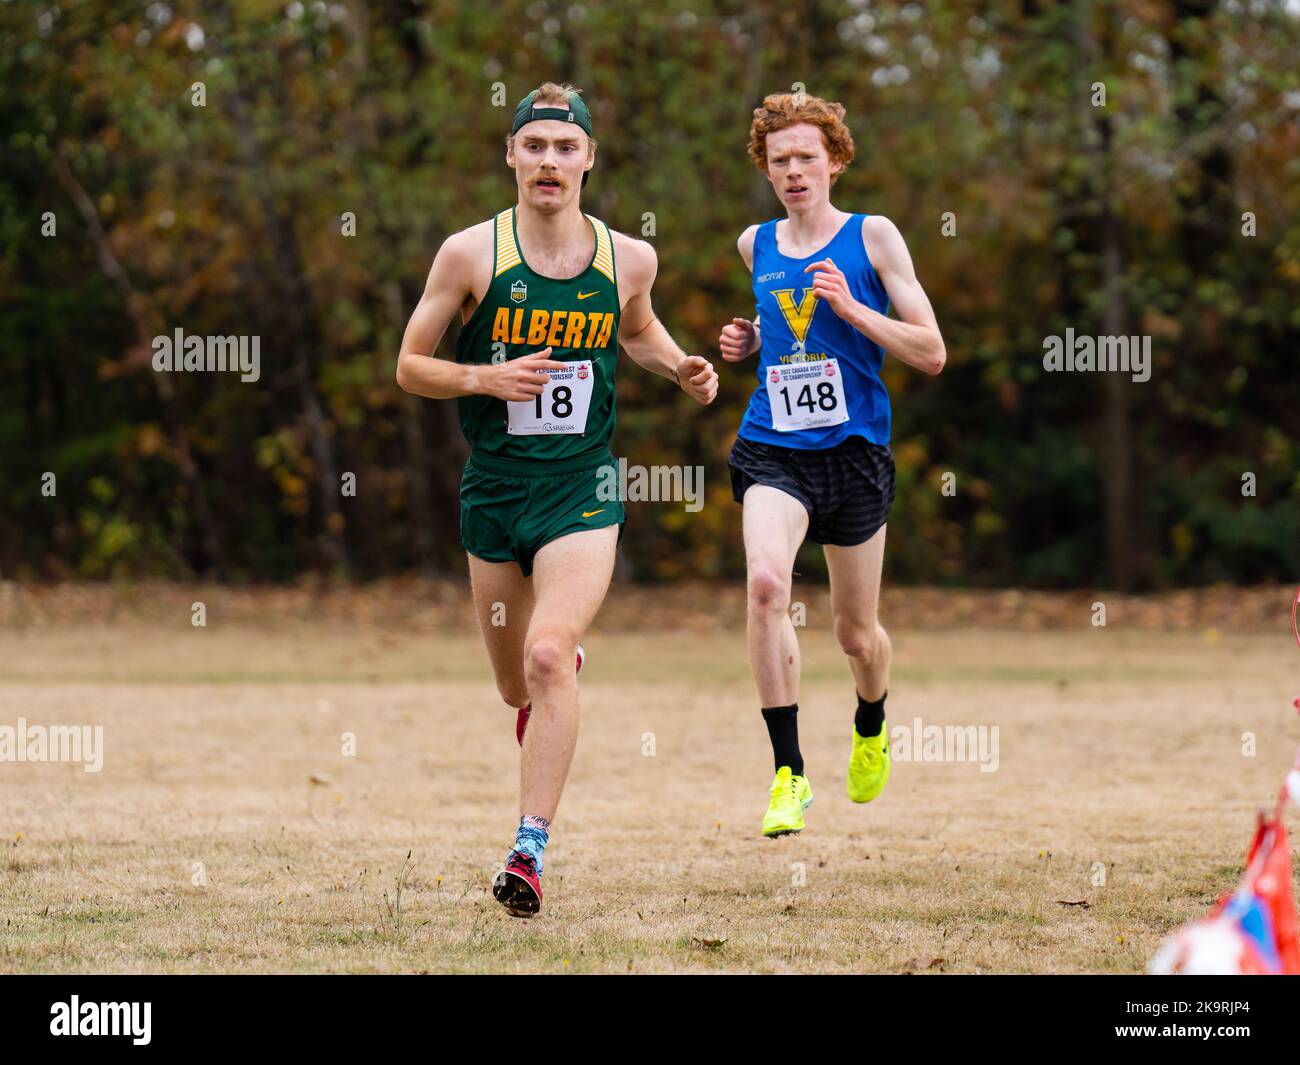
pixel 915 339
pixel 420 372
pixel 740 337
pixel 644 337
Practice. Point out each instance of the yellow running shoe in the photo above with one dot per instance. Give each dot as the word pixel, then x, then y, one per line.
pixel 869 765
pixel 791 796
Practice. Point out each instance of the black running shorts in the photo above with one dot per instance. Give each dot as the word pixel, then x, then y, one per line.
pixel 847 489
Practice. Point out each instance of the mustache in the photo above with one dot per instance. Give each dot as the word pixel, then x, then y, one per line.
pixel 550 177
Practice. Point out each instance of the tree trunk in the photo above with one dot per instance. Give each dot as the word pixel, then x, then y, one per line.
pixel 147 323
pixel 1117 447
pixel 301 330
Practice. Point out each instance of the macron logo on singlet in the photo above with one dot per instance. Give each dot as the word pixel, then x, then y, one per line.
pixel 555 329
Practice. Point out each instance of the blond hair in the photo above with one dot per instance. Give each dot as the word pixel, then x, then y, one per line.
pixel 552 94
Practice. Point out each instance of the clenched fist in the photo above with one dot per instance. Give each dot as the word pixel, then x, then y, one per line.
pixel 698 378
pixel 831 286
pixel 518 380
pixel 738 340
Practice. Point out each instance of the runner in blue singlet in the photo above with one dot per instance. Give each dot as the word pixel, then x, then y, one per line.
pixel 812 457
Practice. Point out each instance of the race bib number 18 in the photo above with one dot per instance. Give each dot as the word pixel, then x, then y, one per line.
pixel 561 408
pixel 806 395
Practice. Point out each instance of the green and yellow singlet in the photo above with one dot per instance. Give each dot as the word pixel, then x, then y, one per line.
pixel 521 313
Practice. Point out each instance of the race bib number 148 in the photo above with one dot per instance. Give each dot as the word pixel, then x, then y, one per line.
pixel 806 395
pixel 561 408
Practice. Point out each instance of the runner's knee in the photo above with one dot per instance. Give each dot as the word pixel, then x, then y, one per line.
pixel 769 592
pixel 514 693
pixel 547 658
pixel 867 642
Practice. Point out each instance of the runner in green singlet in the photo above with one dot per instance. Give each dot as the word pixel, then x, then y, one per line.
pixel 546 294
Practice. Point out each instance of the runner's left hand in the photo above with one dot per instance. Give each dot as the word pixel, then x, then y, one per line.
pixel 830 284
pixel 698 378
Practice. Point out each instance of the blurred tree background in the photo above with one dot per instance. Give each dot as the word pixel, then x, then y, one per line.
pixel 1115 218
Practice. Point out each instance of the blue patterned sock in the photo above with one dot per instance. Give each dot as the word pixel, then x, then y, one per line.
pixel 532 837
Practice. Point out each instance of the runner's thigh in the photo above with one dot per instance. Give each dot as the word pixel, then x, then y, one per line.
pixel 503 601
pixel 570 577
pixel 855 578
pixel 775 524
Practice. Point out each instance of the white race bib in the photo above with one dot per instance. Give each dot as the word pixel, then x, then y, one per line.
pixel 561 408
pixel 806 395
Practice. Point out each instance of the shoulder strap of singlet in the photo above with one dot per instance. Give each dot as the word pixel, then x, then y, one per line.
pixel 604 260
pixel 860 237
pixel 506 252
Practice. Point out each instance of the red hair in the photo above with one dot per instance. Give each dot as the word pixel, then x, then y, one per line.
pixel 784 109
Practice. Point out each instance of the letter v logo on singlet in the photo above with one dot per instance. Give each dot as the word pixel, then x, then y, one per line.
pixel 797 318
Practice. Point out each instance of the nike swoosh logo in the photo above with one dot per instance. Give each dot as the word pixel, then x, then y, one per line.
pixel 584 295
pixel 592 513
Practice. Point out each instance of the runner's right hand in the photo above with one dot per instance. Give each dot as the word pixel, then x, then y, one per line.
pixel 519 380
pixel 737 339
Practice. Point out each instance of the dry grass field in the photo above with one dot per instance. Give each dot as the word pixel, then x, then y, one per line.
pixel 227 831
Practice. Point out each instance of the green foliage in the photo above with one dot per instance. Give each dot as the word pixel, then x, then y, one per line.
pixel 226 219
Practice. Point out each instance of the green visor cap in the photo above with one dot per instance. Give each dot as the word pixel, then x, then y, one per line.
pixel 576 113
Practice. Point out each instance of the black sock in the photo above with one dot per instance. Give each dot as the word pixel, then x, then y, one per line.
pixel 870 716
pixel 783 729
